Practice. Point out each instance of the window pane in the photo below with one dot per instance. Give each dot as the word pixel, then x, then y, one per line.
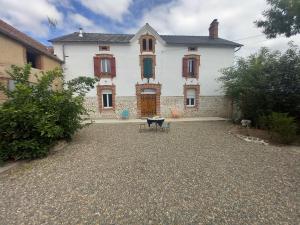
pixel 187 101
pixel 108 65
pixel 105 66
pixel 104 100
pixel 192 101
pixel 150 44
pixel 147 67
pixel 110 100
pixel 11 85
pixel 144 44
pixel 191 67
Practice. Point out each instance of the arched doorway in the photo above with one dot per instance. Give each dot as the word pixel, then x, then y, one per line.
pixel 148 102
pixel 148 99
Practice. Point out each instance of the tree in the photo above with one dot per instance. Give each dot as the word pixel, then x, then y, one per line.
pixel 282 18
pixel 265 82
pixel 34 116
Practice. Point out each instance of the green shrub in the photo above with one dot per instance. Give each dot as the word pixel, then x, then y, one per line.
pixel 281 126
pixel 265 82
pixel 35 117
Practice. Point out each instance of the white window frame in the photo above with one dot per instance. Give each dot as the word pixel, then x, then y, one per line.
pixel 105 65
pixel 189 98
pixel 105 94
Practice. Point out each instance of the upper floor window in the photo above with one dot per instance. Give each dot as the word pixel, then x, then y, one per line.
pixel 148 66
pixel 104 65
pixel 190 66
pixel 147 43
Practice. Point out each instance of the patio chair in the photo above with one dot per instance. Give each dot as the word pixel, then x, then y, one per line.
pixel 125 114
pixel 166 126
pixel 142 127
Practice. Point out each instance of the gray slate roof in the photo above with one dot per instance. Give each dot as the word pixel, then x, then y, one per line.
pixel 125 38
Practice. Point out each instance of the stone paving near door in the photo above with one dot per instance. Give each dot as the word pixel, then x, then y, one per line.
pixel 197 173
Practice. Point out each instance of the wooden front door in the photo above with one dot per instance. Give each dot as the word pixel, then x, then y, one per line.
pixel 148 105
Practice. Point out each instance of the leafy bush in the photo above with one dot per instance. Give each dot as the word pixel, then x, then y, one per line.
pixel 282 126
pixel 34 117
pixel 265 82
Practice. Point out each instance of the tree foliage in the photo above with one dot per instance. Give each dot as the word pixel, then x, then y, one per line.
pixel 282 18
pixel 34 117
pixel 265 82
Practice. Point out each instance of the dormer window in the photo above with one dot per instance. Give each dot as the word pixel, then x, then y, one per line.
pixel 147 43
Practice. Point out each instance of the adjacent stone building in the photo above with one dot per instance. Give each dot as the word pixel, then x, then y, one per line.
pixel 17 48
pixel 150 74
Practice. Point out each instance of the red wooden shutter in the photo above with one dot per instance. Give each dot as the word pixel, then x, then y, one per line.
pixel 113 66
pixel 97 69
pixel 184 67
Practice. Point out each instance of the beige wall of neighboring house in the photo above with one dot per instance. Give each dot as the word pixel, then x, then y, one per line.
pixel 11 51
pixel 14 52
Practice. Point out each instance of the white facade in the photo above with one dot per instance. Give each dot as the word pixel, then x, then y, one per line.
pixel 168 69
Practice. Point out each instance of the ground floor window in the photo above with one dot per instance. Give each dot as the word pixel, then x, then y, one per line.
pixel 107 99
pixel 11 85
pixel 190 97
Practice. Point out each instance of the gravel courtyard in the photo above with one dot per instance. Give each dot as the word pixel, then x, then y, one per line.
pixel 196 174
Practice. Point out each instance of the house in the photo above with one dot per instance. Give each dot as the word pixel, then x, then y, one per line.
pixel 150 74
pixel 18 49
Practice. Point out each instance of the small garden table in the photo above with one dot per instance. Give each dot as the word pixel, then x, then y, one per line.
pixel 158 121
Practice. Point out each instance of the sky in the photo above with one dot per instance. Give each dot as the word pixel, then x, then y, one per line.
pixel 179 17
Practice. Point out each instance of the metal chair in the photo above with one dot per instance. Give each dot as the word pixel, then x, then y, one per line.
pixel 125 114
pixel 166 126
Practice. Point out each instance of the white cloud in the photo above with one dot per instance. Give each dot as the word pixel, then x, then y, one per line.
pixel 81 20
pixel 114 9
pixel 75 20
pixel 30 15
pixel 192 17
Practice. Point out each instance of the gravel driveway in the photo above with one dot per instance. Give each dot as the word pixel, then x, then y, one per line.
pixel 196 174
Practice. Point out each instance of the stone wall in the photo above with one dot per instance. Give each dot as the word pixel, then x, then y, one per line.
pixel 209 106
pixel 122 102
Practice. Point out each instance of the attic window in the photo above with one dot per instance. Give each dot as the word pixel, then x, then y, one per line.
pixel 103 48
pixel 192 49
pixel 147 43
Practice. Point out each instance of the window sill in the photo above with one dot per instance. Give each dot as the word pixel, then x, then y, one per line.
pixel 190 106
pixel 105 75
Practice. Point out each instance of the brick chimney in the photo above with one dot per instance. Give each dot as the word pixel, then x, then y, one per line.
pixel 213 29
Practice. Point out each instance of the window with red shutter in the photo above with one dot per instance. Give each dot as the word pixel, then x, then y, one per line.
pixel 184 67
pixel 190 66
pixel 113 66
pixel 97 69
pixel 104 65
